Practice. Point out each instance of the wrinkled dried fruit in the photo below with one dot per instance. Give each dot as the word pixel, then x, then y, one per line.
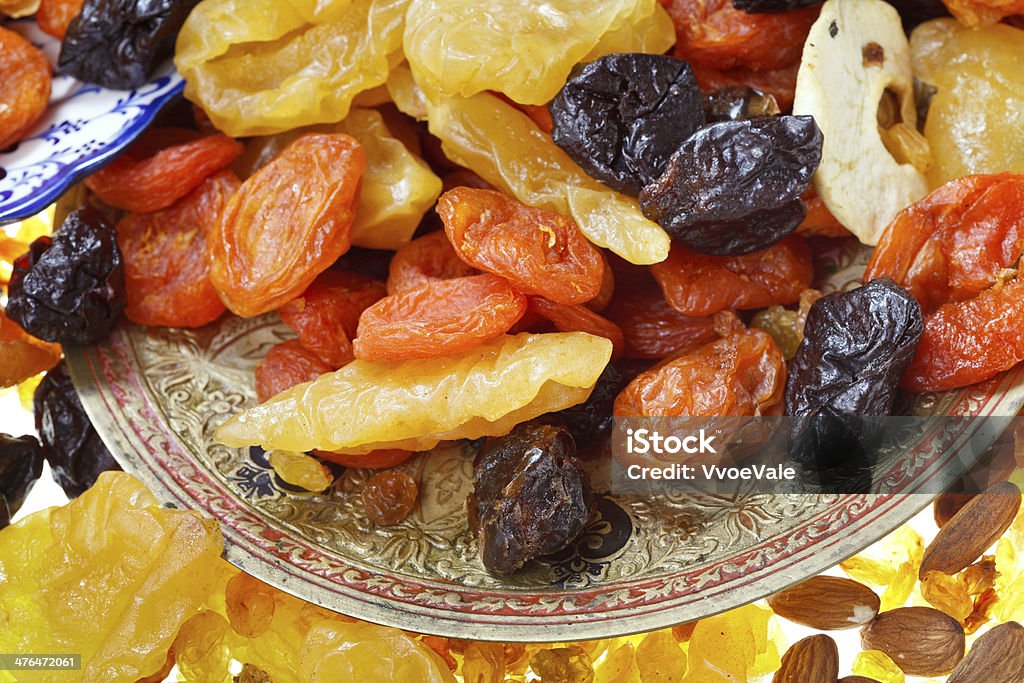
pixel 70 288
pixel 946 594
pixel 878 666
pixel 54 16
pixel 285 365
pixel 439 318
pixel 741 374
pixel 827 603
pixel 24 86
pixel 996 657
pixel 249 604
pixel 118 43
pixel 413 405
pixel 967 342
pixel 856 346
pixel 592 420
pixel 426 258
pixel 506 149
pixel 921 640
pixel 972 530
pixel 389 497
pixel 814 659
pixel 76 454
pixel 326 315
pixel 779 83
pixel 738 102
pixel 286 224
pixel 659 659
pixel 200 652
pixel 167 278
pixel 21 463
pixel 21 355
pixel 956 242
pixel 483 663
pixel 734 187
pixel 733 645
pixel 772 6
pixel 578 319
pixel 699 285
pixel 524 51
pixel 622 116
pixel 563 665
pixel 530 496
pixel 260 67
pixel 144 179
pixel 715 33
pixel 538 251
pixel 299 469
pixel 111 576
pixel 651 328
pixel 786 326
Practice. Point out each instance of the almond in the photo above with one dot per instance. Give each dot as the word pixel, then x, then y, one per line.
pixel 921 640
pixel 827 603
pixel 948 504
pixel 972 530
pixel 856 679
pixel 811 660
pixel 996 657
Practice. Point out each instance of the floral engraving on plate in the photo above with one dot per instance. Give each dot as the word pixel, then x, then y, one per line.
pixel 158 395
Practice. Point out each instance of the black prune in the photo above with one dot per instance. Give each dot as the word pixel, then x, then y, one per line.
pixel 75 452
pixel 914 12
pixel 773 6
pixel 622 116
pixel 591 420
pixel 530 496
pixel 737 102
pixel 118 43
pixel 734 187
pixel 856 347
pixel 70 288
pixel 5 513
pixel 21 463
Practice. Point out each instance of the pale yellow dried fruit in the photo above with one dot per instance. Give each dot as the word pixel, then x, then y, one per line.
pixel 413 405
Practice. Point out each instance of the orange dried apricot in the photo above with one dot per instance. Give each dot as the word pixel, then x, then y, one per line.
pixel 285 365
pixel 424 260
pixel 539 251
pixel 439 318
pixel 699 285
pixel 326 316
pixel 287 224
pixel 574 318
pixel 166 276
pixel 25 76
pixel 54 16
pixel 143 179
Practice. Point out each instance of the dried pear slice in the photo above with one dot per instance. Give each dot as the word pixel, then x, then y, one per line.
pixel 857 58
pixel 415 404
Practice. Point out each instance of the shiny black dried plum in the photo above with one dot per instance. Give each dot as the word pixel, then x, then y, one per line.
pixel 591 420
pixel 856 346
pixel 773 6
pixel 622 116
pixel 734 187
pixel 5 513
pixel 118 43
pixel 21 463
pixel 75 452
pixel 738 102
pixel 530 496
pixel 70 288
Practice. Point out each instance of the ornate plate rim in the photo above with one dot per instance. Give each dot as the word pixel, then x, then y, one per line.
pixel 389 601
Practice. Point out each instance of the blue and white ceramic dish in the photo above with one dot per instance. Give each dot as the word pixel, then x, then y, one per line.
pixel 84 128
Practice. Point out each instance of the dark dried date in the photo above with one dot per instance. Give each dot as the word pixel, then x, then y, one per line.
pixel 856 347
pixel 622 116
pixel 21 463
pixel 70 288
pixel 530 496
pixel 75 452
pixel 118 43
pixel 734 187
